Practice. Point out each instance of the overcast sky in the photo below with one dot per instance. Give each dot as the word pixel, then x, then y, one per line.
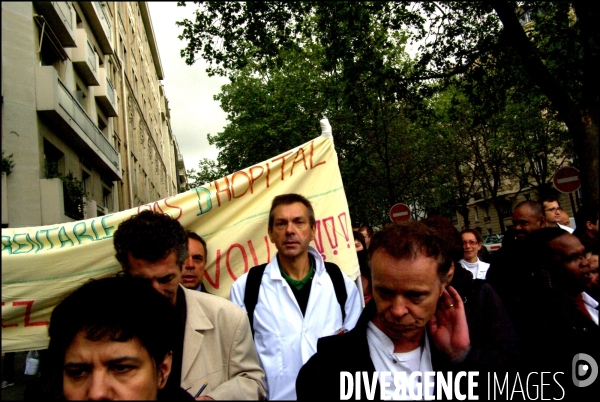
pixel 189 89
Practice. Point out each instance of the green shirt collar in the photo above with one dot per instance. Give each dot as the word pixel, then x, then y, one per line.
pixel 299 284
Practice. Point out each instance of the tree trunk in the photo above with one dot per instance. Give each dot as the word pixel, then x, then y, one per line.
pixel 500 213
pixel 464 211
pixel 581 119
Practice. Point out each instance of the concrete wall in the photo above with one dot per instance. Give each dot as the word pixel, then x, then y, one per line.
pixel 53 205
pixel 19 117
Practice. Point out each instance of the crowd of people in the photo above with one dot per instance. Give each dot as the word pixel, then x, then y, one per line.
pixel 291 326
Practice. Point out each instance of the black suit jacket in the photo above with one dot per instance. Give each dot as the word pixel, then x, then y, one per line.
pixel 494 346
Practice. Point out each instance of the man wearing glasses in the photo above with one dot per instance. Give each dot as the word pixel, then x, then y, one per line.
pixel 552 210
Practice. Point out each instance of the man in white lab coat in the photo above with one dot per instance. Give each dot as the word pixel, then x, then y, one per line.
pixel 295 299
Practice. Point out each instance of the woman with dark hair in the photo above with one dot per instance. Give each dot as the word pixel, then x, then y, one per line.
pixel 112 338
pixel 472 242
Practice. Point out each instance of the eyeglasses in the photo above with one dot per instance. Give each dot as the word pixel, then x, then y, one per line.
pixel 553 210
pixel 470 243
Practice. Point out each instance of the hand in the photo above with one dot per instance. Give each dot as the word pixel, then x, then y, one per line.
pixel 204 398
pixel 448 326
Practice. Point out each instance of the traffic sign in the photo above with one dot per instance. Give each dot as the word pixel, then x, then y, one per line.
pixel 567 179
pixel 400 213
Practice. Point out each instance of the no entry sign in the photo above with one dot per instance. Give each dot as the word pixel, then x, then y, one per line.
pixel 566 179
pixel 399 213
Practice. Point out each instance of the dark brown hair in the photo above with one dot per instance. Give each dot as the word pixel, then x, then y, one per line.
pixel 408 239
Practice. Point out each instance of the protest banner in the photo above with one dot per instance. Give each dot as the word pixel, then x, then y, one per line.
pixel 41 265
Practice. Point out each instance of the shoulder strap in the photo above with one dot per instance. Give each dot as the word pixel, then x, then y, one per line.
pixel 251 292
pixel 339 286
pixel 255 277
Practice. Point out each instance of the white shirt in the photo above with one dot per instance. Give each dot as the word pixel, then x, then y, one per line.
pixel 381 349
pixel 591 305
pixel 478 269
pixel 567 228
pixel 285 339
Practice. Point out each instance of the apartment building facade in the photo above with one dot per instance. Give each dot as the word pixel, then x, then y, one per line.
pixel 84 112
pixel 484 216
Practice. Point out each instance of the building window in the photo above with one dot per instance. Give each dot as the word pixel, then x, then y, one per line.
pixel 525 18
pixel 102 126
pixel 134 176
pixel 107 201
pixel 80 96
pixel 86 179
pixel 124 58
pixel 50 48
pixel 54 161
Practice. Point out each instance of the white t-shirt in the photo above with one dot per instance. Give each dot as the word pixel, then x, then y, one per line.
pixel 384 359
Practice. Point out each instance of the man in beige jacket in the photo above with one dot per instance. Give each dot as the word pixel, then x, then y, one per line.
pixel 216 345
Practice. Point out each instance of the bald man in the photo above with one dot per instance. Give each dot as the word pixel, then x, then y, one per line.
pixel 508 274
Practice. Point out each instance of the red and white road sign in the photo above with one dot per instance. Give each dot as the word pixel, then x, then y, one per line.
pixel 400 213
pixel 567 179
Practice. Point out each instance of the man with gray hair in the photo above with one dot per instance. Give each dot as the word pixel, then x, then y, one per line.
pixel 296 298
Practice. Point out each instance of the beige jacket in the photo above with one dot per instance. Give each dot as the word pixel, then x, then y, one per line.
pixel 218 348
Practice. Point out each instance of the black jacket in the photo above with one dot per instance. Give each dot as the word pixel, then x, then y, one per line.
pixel 555 332
pixel 493 346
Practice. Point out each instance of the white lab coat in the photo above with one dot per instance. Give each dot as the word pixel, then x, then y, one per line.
pixel 284 339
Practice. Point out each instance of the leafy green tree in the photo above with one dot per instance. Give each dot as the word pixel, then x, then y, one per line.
pixel 8 163
pixel 384 151
pixel 209 170
pixel 458 176
pixel 559 54
pixel 540 141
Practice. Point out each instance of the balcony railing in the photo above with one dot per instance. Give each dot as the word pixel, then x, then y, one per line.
pixel 81 118
pixel 110 90
pixel 100 24
pixel 61 17
pixel 104 20
pixel 91 58
pixel 105 94
pixel 55 101
pixel 85 59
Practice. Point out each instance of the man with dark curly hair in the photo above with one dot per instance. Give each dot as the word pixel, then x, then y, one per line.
pixel 215 344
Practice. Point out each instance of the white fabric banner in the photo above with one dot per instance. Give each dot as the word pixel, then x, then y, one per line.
pixel 41 265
